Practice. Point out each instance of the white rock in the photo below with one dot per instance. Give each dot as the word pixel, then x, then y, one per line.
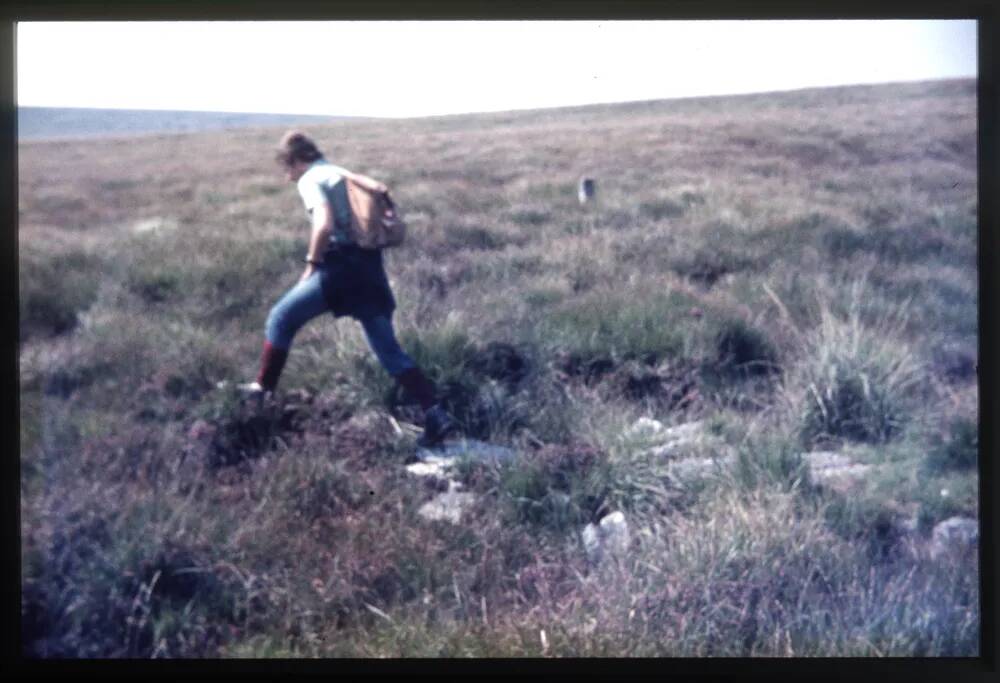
pixel 820 460
pixel 592 542
pixel 447 506
pixel 689 431
pixel 614 530
pixel 466 448
pixel 155 224
pixel 608 538
pixel 692 468
pixel 440 462
pixel 645 428
pixel 834 469
pixel 430 469
pixel 669 442
pixel 954 536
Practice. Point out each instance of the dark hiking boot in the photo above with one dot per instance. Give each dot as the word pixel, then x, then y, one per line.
pixel 437 425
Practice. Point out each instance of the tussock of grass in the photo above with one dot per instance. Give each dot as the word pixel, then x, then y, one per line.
pixel 55 289
pixel 853 381
pixel 620 325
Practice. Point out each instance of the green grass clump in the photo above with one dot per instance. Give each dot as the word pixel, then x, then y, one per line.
pixel 615 325
pixel 556 488
pixel 122 588
pixel 473 237
pixel 769 462
pixel 663 208
pixel 530 217
pixel 744 350
pixel 959 451
pixel 705 265
pixel 55 289
pixel 945 495
pixel 854 382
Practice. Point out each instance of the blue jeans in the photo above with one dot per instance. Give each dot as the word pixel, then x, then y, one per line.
pixel 305 301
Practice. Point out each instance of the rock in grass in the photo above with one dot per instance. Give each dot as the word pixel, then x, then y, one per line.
pixel 954 537
pixel 670 443
pixel 654 430
pixel 157 224
pixel 667 440
pixel 615 532
pixel 431 468
pixel 438 463
pixel 835 469
pixel 592 542
pixel 466 448
pixel 695 468
pixel 646 428
pixel 447 506
pixel 608 538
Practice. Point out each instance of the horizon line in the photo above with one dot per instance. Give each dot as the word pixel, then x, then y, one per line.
pixel 504 111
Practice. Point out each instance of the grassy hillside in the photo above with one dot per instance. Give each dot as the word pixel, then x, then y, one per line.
pixel 797 270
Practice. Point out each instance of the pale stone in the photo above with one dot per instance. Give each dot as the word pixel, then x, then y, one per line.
pixel 447 506
pixel 614 530
pixel 592 542
pixel 671 441
pixel 691 468
pixel 607 538
pixel 646 428
pixel 820 460
pixel 440 462
pixel 154 225
pixel 466 448
pixel 835 470
pixel 689 431
pixel 428 469
pixel 954 536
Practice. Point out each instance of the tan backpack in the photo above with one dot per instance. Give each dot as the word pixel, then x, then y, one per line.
pixel 375 222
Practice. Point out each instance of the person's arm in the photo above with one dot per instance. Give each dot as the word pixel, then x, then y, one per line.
pixel 322 224
pixel 370 183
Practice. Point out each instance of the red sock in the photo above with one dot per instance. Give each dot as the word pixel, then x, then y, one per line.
pixel 272 362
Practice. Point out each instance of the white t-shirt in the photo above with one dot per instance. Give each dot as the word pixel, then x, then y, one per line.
pixel 322 183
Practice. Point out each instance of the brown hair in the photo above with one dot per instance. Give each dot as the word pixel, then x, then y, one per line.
pixel 296 146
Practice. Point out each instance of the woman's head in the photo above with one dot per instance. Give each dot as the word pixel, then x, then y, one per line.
pixel 296 152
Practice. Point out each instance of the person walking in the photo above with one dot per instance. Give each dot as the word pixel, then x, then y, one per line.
pixel 341 278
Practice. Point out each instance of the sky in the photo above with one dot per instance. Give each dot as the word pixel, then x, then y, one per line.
pixel 422 68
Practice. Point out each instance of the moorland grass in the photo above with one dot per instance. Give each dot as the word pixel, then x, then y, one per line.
pixel 789 268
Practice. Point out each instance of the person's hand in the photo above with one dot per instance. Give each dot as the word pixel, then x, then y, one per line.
pixel 307 273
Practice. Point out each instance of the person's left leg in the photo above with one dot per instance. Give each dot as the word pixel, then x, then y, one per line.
pixel 299 305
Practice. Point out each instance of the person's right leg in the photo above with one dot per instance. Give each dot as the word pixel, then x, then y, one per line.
pixel 299 305
pixel 382 340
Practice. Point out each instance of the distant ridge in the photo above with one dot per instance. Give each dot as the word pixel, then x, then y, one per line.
pixel 40 123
